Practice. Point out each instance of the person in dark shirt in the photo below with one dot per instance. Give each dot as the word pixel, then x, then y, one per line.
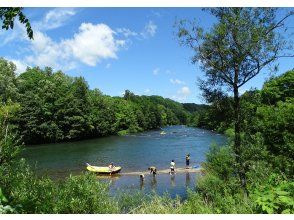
pixel 152 170
pixel 187 161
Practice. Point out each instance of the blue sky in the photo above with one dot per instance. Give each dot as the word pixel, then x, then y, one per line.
pixel 116 49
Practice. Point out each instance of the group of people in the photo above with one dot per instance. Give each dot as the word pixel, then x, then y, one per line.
pixel 153 169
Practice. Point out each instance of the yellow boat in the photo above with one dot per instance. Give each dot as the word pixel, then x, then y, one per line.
pixel 103 170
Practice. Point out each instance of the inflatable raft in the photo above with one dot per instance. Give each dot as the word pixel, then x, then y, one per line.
pixel 103 170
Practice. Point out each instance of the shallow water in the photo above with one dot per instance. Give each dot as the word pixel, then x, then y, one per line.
pixel 133 153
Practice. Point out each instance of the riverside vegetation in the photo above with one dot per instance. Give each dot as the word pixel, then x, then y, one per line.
pixel 253 173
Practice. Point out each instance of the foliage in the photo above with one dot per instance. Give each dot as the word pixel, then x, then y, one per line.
pixel 275 196
pixel 279 88
pixel 55 107
pixel 4 208
pixel 8 15
pixel 276 125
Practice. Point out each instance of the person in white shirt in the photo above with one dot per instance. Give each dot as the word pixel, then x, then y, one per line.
pixel 172 167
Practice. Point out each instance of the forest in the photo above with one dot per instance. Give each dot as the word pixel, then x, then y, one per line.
pixel 54 107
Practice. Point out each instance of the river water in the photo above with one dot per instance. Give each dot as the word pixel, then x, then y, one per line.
pixel 133 153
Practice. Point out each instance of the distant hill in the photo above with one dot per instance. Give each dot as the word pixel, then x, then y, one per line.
pixel 192 107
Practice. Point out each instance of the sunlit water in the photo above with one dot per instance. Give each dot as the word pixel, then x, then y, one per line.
pixel 133 153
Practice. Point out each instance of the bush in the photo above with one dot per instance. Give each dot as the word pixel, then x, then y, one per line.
pixel 220 161
pixel 275 196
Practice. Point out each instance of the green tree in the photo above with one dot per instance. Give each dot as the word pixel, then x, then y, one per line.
pixel 237 48
pixel 8 81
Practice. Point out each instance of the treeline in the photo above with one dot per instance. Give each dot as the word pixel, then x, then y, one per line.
pixel 268 112
pixel 55 107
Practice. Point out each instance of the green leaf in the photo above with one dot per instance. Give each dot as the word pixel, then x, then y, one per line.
pixel 282 193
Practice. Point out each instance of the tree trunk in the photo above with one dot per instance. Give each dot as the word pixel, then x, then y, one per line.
pixel 237 142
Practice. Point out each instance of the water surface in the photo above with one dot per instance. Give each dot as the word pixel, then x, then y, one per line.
pixel 133 153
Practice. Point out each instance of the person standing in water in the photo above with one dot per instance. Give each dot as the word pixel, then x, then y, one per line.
pixel 187 161
pixel 142 177
pixel 172 167
pixel 152 170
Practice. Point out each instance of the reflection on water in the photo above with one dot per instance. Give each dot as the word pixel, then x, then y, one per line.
pixel 174 185
pixel 141 184
pixel 133 153
pixel 188 179
pixel 172 180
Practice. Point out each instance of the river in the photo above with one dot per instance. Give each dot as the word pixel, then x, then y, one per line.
pixel 133 153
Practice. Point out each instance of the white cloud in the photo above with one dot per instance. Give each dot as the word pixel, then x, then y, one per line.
pixel 177 81
pixel 147 91
pixel 126 32
pixel 108 65
pixel 184 91
pixel 149 30
pixel 91 44
pixel 55 18
pixel 156 71
pixel 46 52
pixel 20 66
pixel 18 33
pixel 182 94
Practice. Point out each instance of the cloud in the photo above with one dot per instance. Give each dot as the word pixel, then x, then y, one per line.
pixel 55 18
pixel 156 71
pixel 108 65
pixel 147 91
pixel 20 66
pixel 46 52
pixel 126 32
pixel 182 94
pixel 184 91
pixel 18 33
pixel 149 30
pixel 91 44
pixel 177 81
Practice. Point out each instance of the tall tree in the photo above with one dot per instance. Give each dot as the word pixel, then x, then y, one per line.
pixel 238 47
pixel 8 15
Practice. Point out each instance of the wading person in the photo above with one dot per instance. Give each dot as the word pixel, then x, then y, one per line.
pixel 172 167
pixel 152 170
pixel 187 161
pixel 142 177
